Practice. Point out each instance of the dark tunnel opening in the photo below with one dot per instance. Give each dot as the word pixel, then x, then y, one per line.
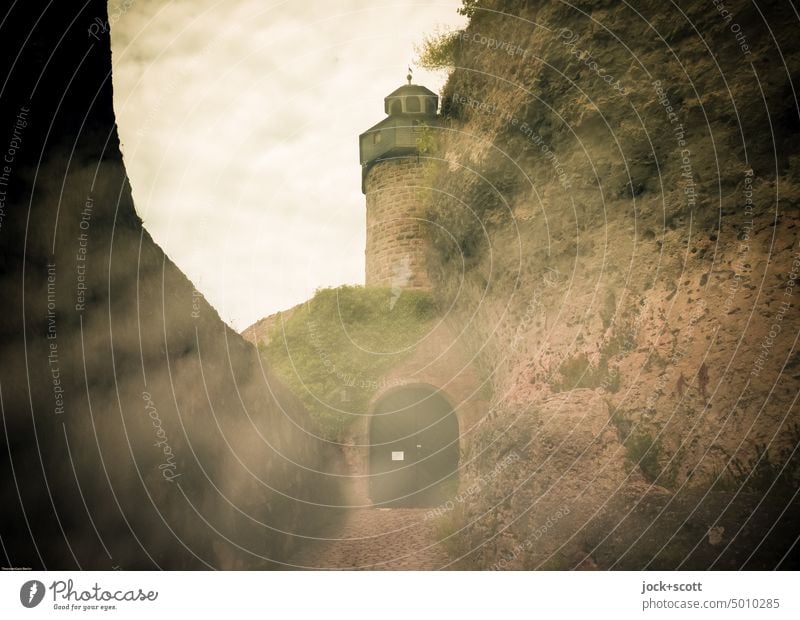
pixel 414 449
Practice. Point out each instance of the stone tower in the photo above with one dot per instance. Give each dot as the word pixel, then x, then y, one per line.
pixel 393 177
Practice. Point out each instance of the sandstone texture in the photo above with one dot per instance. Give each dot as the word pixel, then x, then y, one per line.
pixel 621 244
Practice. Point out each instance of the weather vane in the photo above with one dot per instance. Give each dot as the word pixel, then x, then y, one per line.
pixel 408 77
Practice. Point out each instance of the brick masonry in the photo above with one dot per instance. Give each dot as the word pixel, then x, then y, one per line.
pixel 396 252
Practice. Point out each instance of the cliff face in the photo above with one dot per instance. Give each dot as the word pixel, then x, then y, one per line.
pixel 141 431
pixel 618 188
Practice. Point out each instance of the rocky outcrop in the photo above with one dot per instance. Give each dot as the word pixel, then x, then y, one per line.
pixel 552 470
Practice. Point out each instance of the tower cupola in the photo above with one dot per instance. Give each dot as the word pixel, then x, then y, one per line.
pixel 409 110
pixel 413 100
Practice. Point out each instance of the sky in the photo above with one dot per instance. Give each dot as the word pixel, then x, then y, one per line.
pixel 239 124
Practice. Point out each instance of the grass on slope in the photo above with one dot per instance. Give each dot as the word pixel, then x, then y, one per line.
pixel 335 349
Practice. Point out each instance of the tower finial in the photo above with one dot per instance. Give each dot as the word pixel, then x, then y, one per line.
pixel 408 77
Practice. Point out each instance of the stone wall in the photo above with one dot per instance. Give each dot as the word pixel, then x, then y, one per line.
pixel 395 254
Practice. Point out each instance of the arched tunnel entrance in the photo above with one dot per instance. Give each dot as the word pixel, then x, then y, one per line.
pixel 414 448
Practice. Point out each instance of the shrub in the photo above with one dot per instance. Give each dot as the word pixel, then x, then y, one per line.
pixel 438 50
pixel 468 7
pixel 577 372
pixel 643 450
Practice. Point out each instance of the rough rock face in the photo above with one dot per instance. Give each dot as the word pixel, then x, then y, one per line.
pixel 141 431
pixel 624 186
pixel 556 467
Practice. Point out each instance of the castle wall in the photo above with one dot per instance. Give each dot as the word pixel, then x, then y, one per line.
pixel 395 252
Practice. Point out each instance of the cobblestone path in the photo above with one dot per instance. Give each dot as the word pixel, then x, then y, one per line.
pixel 377 539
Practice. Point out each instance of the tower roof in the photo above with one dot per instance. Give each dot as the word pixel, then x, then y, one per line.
pixel 411 99
pixel 409 109
pixel 411 89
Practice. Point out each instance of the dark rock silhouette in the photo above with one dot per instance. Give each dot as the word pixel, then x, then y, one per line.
pixel 139 431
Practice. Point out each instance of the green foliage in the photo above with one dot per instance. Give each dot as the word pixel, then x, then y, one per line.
pixel 619 421
pixel 643 450
pixel 426 142
pixel 669 475
pixel 468 8
pixel 333 351
pixel 576 372
pixel 438 50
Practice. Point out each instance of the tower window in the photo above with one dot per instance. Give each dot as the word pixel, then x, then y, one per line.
pixel 396 107
pixel 412 104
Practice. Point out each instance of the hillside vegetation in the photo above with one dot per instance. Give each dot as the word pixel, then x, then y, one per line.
pixel 333 350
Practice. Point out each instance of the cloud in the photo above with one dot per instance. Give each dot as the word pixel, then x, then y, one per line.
pixel 239 123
